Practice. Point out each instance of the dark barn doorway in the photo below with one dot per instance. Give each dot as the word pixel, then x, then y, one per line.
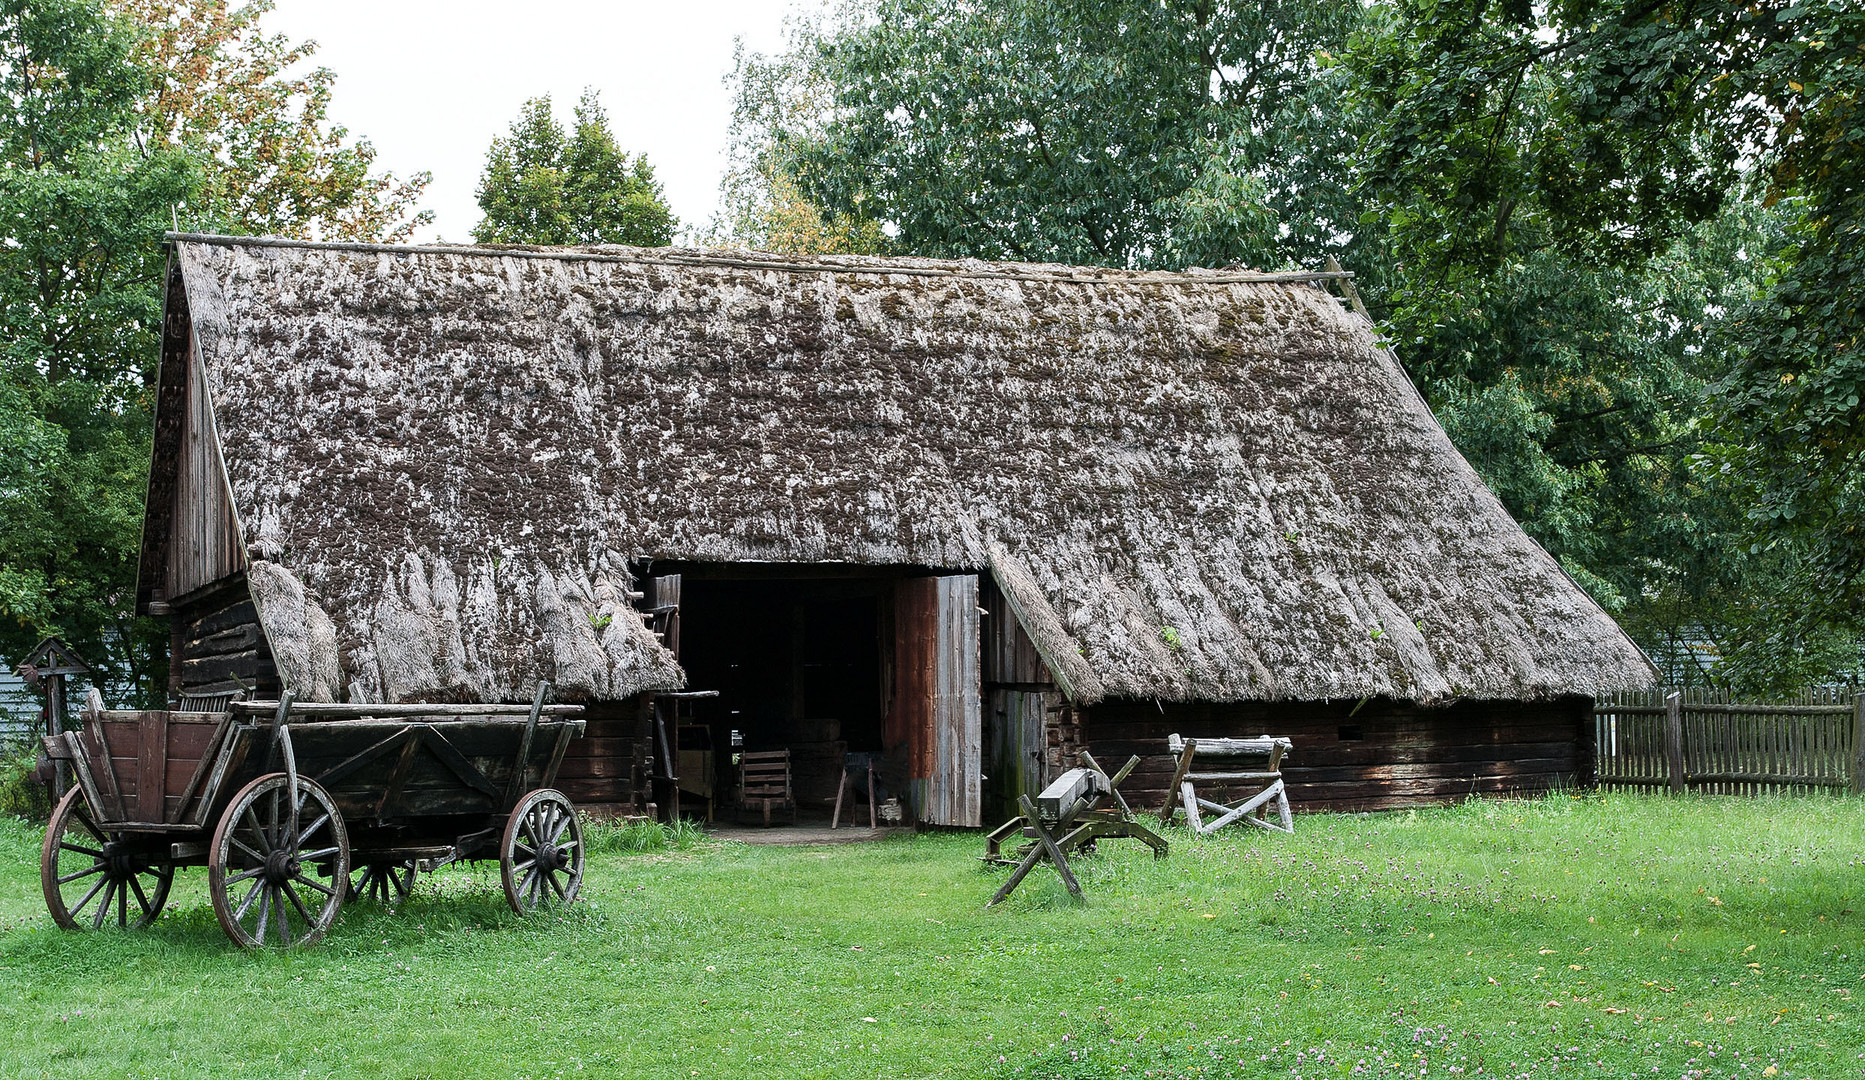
pixel 800 663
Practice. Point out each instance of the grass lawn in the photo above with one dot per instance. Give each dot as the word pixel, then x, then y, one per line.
pixel 1596 936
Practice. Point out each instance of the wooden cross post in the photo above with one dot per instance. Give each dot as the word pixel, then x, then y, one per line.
pixel 1067 819
pixel 1251 762
pixel 1045 847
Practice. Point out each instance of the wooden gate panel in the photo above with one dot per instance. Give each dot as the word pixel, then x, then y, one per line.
pixel 934 723
pixel 954 785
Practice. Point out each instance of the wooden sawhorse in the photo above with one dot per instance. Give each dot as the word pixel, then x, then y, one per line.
pixel 1068 818
pixel 1257 760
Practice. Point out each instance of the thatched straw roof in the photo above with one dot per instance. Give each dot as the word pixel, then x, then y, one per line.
pixel 1200 486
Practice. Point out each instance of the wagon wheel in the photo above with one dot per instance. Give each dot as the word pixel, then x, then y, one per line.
pixel 541 856
pixel 259 875
pixel 385 883
pixel 81 863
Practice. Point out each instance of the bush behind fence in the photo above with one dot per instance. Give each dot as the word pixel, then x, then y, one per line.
pixel 1701 740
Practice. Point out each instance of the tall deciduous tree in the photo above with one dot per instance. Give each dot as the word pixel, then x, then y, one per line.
pixel 82 209
pixel 541 186
pixel 236 100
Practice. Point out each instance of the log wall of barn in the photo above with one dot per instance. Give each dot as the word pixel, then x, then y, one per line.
pixel 605 768
pixel 1387 755
pixel 216 646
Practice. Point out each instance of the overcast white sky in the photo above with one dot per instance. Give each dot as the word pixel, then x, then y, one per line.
pixel 430 82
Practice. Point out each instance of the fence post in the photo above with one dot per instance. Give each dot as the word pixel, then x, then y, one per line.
pixel 1857 770
pixel 1674 738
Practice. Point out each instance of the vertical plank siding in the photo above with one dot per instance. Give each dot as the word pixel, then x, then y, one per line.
pixel 1019 694
pixel 204 540
pixel 1729 747
pixel 954 788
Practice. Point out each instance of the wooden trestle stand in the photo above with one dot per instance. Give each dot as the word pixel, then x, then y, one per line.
pixel 1066 819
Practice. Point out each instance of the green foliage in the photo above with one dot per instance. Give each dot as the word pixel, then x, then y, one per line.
pixel 21 793
pixel 641 837
pixel 1793 431
pixel 241 104
pixel 1131 133
pixel 763 207
pixel 82 209
pixel 120 118
pixel 543 187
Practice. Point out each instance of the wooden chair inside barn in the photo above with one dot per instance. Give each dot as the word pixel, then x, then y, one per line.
pixel 764 784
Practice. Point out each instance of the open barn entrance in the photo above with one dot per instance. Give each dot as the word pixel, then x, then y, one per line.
pixel 825 662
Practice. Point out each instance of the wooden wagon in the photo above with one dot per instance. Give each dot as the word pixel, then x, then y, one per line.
pixel 294 808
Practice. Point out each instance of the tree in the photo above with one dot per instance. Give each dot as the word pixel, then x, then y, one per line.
pixel 272 163
pixel 541 187
pixel 763 206
pixel 82 209
pixel 1617 128
pixel 1129 133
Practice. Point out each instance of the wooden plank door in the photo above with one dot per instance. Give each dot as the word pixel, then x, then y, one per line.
pixel 935 715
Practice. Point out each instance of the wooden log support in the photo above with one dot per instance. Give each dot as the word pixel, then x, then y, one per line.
pixel 1178 778
pixel 1256 762
pixel 517 786
pixel 1067 819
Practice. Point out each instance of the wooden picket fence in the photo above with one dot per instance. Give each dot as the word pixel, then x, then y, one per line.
pixel 1700 740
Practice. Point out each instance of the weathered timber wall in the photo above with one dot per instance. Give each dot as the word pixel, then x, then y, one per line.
pixel 1390 754
pixel 204 538
pixel 610 763
pixel 1019 694
pixel 218 646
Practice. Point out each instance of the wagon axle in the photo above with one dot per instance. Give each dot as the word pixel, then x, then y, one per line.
pixel 282 866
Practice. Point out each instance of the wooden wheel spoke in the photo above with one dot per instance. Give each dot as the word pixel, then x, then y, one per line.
pixel 96 868
pixel 80 849
pixel 251 821
pixel 142 898
pixel 239 913
pixel 292 895
pixel 123 904
pixel 103 909
pixel 101 883
pixel 284 917
pixel 246 875
pixel 302 880
pixel 525 865
pixel 521 849
pixel 320 853
pixel 311 830
pixel 550 876
pixel 84 819
pixel 265 910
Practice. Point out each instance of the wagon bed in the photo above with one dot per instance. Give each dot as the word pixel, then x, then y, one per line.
pixel 384 789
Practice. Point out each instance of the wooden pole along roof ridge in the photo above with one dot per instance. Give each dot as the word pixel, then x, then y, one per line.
pixel 738 260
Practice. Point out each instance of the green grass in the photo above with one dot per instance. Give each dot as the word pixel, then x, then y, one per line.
pixel 1617 936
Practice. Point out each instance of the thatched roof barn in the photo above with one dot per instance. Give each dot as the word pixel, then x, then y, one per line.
pixel 440 471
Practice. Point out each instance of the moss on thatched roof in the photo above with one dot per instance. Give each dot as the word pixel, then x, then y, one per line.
pixel 1200 486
